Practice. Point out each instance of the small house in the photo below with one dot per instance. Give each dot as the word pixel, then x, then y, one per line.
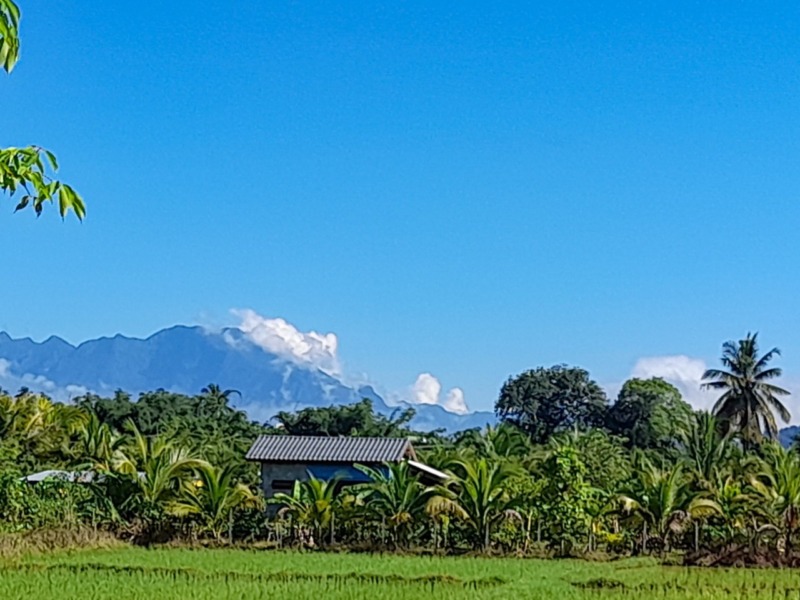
pixel 285 459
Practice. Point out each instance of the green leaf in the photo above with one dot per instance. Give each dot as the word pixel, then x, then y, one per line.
pixel 52 158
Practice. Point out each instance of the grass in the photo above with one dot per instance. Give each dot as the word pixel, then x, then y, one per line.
pixel 159 574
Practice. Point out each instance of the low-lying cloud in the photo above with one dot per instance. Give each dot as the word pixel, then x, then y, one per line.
pixel 320 351
pixel 684 372
pixel 279 337
pixel 12 382
pixel 427 389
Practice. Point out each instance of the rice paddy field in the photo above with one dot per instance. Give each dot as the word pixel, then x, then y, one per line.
pixel 160 574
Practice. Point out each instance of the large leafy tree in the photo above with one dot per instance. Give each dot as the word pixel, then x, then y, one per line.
pixel 544 401
pixel 749 398
pixel 26 172
pixel 649 413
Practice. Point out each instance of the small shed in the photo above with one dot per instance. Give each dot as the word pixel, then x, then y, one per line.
pixel 288 458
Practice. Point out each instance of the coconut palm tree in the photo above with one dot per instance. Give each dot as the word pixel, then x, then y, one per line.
pixel 98 446
pixel 777 485
pixel 502 441
pixel 396 496
pixel 158 470
pixel 707 449
pixel 480 494
pixel 737 506
pixel 214 496
pixel 663 501
pixel 312 504
pixel 748 397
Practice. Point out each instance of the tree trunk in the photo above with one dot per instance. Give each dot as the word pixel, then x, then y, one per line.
pixel 333 523
pixel 486 537
pixel 696 536
pixel 230 528
pixel 644 538
pixel 788 538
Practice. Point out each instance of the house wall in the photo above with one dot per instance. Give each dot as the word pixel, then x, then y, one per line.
pixel 283 472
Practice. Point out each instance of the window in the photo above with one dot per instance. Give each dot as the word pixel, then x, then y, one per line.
pixel 283 485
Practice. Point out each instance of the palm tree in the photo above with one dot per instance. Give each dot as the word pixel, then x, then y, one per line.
pixel 663 501
pixel 98 446
pixel 214 399
pixel 480 495
pixel 777 484
pixel 396 495
pixel 708 451
pixel 312 503
pixel 748 399
pixel 502 441
pixel 214 497
pixel 737 506
pixel 158 469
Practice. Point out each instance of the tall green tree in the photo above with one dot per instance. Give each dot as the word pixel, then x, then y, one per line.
pixel 567 495
pixel 26 172
pixel 649 413
pixel 749 398
pixel 544 401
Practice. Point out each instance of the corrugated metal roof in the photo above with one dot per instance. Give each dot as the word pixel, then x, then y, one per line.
pixel 301 448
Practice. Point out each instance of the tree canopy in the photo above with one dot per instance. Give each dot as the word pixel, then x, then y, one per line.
pixel 650 413
pixel 749 398
pixel 544 401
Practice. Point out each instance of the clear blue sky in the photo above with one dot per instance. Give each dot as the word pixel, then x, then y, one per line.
pixel 465 189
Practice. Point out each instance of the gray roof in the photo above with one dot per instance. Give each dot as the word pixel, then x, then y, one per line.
pixel 302 448
pixel 69 476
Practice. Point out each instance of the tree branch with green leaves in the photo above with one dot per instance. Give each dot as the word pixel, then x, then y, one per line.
pixel 27 172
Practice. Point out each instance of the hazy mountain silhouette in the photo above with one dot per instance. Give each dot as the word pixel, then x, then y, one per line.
pixel 185 359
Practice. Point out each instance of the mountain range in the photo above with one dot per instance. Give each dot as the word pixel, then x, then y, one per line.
pixel 185 359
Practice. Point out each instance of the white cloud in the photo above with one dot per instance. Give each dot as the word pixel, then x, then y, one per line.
pixel 455 401
pixel 37 383
pixel 427 390
pixel 684 372
pixel 279 337
pixel 320 351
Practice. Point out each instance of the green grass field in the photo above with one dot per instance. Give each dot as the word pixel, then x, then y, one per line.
pixel 134 573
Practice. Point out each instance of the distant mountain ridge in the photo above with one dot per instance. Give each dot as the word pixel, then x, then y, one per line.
pixel 185 359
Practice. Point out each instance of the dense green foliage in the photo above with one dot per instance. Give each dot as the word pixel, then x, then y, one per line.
pixel 543 402
pixel 359 419
pixel 564 472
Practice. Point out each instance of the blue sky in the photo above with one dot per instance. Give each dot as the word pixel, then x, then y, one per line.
pixel 465 190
